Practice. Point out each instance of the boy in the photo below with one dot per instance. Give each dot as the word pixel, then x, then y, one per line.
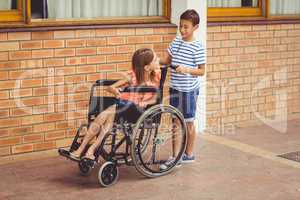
pixel 187 58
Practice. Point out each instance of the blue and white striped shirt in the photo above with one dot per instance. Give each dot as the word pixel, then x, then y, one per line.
pixel 187 54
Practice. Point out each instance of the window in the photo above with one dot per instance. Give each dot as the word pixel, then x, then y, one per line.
pixel 11 11
pixel 233 10
pixel 230 9
pixel 284 8
pixel 76 12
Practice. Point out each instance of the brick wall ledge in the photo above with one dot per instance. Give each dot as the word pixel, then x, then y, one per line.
pixel 254 22
pixel 85 27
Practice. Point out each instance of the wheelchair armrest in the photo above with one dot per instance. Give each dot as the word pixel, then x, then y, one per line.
pixel 106 82
pixel 141 89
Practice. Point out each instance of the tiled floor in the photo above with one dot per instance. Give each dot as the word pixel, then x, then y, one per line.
pixel 229 167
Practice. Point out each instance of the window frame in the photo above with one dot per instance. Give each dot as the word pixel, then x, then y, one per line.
pixel 15 15
pixel 262 12
pixel 234 14
pixel 165 18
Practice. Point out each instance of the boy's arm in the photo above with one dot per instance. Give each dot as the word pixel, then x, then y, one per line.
pixel 166 60
pixel 199 71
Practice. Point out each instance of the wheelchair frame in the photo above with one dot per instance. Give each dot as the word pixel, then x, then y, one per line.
pixel 134 137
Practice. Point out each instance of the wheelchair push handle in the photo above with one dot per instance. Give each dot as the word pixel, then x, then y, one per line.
pixel 105 82
pixel 138 89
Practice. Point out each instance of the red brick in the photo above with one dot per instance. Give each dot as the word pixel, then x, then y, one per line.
pixel 42 35
pixel 44 146
pixel 29 64
pixel 3 36
pixel 153 38
pixel 64 52
pixel 85 33
pixel 106 50
pixel 105 32
pixel 53 135
pixel 33 138
pixel 19 36
pixel 3 56
pixel 54 117
pixel 75 43
pixel 43 127
pixel 4 151
pixel 96 59
pixel 125 31
pixel 64 34
pixel 22 148
pixel 126 49
pixel 31 45
pixel 20 112
pixel 96 42
pixel 24 130
pixel 65 70
pixel 86 51
pixel 54 44
pixel 94 77
pixel 86 69
pixel 4 113
pixel 54 81
pixel 19 55
pixel 4 94
pixel 116 40
pixel 135 39
pixel 31 83
pixel 54 62
pixel 33 119
pixel 76 61
pixel 74 79
pixel 117 58
pixel 9 46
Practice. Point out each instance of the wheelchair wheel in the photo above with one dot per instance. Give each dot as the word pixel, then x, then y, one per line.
pixel 85 167
pixel 162 149
pixel 108 174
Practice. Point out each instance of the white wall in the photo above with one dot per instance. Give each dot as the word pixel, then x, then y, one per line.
pixel 178 7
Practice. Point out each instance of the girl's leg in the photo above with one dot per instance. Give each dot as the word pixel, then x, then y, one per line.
pixel 106 127
pixel 93 130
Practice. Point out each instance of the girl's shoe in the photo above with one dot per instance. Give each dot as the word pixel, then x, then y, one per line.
pixel 74 156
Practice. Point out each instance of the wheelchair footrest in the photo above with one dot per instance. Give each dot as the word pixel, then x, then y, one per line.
pixel 66 154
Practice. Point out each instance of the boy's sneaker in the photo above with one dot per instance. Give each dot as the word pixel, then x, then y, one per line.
pixel 168 163
pixel 187 159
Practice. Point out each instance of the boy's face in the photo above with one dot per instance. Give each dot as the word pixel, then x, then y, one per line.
pixel 187 29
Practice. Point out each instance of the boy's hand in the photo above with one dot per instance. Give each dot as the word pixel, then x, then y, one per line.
pixel 180 69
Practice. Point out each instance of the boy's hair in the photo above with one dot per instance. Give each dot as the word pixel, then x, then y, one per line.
pixel 140 59
pixel 191 15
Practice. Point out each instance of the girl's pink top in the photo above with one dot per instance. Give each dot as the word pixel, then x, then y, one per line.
pixel 141 99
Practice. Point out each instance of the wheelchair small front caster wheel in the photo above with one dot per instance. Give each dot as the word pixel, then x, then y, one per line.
pixel 85 166
pixel 108 174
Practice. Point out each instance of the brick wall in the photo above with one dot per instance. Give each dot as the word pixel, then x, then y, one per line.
pixel 253 75
pixel 45 78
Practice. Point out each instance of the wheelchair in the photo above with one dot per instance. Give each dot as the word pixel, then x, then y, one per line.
pixel 157 138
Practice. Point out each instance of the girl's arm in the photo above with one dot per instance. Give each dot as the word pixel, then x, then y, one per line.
pixel 199 71
pixel 114 87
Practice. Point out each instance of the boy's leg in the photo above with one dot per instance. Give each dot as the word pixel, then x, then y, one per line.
pixel 191 138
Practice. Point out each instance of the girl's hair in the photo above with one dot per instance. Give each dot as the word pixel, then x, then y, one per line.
pixel 140 59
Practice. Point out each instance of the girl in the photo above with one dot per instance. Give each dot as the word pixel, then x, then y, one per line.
pixel 145 72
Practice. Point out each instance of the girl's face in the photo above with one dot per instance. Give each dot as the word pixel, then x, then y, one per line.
pixel 154 65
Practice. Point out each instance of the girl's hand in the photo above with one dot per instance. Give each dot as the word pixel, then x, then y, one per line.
pixel 114 91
